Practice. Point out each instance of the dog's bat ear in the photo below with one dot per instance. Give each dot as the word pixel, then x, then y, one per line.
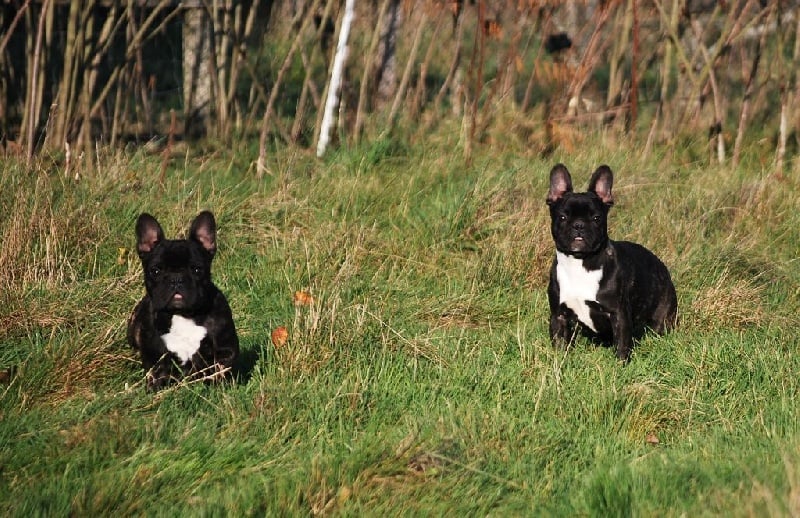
pixel 204 231
pixel 601 183
pixel 560 183
pixel 148 234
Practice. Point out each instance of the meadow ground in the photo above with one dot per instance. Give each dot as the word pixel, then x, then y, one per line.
pixel 420 379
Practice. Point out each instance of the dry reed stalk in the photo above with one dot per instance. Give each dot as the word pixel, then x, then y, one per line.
pixel 719 115
pixel 669 28
pixel 268 109
pixel 34 97
pixel 744 112
pixel 401 89
pixel 630 122
pixel 309 87
pixel 369 60
pixel 591 57
pixel 420 94
pixel 789 90
pixel 165 155
pixel 13 25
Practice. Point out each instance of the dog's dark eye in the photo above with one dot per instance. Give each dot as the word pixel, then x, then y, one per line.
pixel 197 270
pixel 562 217
pixel 155 271
pixel 596 218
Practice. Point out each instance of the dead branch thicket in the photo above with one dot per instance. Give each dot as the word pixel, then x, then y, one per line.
pixel 78 75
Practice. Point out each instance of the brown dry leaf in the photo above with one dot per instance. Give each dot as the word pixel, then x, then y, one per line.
pixel 651 439
pixel 279 336
pixel 302 298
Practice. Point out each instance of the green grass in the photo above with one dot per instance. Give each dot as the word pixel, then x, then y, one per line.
pixel 421 380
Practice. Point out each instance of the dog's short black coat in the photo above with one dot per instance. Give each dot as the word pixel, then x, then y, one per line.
pixel 614 290
pixel 183 326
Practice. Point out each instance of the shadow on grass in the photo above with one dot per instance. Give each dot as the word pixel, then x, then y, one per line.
pixel 244 365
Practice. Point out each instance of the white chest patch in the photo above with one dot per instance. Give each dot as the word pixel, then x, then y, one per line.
pixel 184 337
pixel 577 286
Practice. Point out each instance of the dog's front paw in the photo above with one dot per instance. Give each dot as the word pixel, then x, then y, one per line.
pixel 560 334
pixel 209 373
pixel 156 383
pixel 218 371
pixel 160 375
pixel 624 353
pixel 559 342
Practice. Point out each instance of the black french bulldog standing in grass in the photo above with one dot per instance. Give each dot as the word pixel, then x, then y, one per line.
pixel 614 290
pixel 183 326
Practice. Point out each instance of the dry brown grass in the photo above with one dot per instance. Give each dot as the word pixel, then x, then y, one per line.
pixel 33 245
pixel 729 302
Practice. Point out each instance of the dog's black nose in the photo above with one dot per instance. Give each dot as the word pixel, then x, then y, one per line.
pixel 579 225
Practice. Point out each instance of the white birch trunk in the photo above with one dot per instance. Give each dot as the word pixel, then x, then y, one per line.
pixel 336 78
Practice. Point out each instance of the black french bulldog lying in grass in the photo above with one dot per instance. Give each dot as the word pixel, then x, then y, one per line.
pixel 183 327
pixel 613 290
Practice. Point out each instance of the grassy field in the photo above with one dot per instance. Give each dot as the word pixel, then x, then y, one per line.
pixel 420 380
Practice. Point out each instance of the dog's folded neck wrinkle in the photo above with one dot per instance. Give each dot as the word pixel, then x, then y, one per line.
pixel 165 315
pixel 604 247
pixel 185 313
